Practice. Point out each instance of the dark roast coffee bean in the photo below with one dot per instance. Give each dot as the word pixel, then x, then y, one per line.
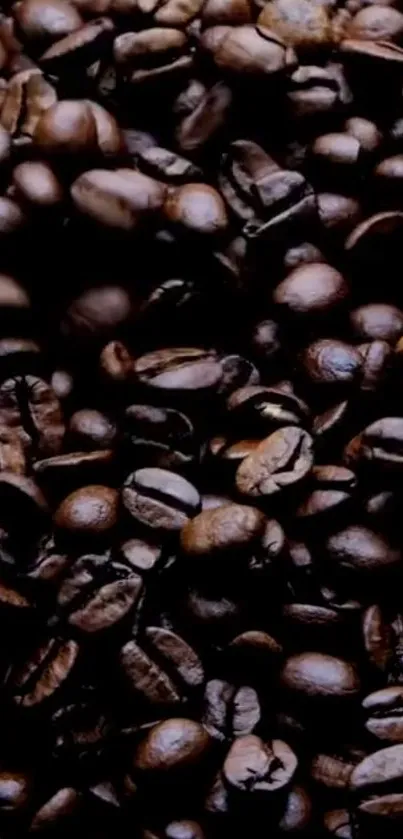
pixel 175 744
pixel 361 550
pixel 44 673
pixel 230 711
pixel 160 500
pixel 279 462
pixel 383 710
pixel 259 409
pixel 41 20
pixel 29 405
pixel 315 675
pixel 159 436
pixel 89 429
pixel 170 371
pixel 311 289
pixel 97 593
pixel 57 812
pixel 253 767
pixel 60 475
pixel 179 672
pixel 225 528
pixel 88 513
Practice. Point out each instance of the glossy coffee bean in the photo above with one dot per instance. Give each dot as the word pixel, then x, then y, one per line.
pixel 272 765
pixel 311 289
pixel 164 670
pixel 225 528
pixel 160 500
pixel 89 429
pixel 90 513
pixel 279 462
pixel 315 675
pixel 172 745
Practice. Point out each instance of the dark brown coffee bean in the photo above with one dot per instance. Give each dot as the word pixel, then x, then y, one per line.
pixel 44 673
pixel 88 513
pixel 58 811
pixel 175 744
pixel 217 12
pixel 160 52
pixel 257 409
pixel 36 183
pixel 97 593
pixel 12 455
pixel 358 549
pixel 27 98
pixel 64 473
pixel 377 321
pixel 196 208
pixel 225 528
pixel 253 767
pixel 331 362
pixel 337 824
pixel 86 44
pixel 116 363
pixel 383 710
pixel 161 437
pixel 254 50
pixel 118 199
pixel 376 23
pixel 175 672
pixel 29 405
pixel 90 429
pixel 139 555
pixel 15 791
pixel 160 500
pixel 315 675
pixel 263 195
pixel 97 313
pixel 230 711
pixel 179 370
pixel 311 288
pixel 332 488
pixel 47 20
pixel 378 770
pixel 279 462
pixel 303 25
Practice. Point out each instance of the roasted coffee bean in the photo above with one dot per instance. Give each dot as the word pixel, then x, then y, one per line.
pixel 230 711
pixel 29 405
pixel 253 767
pixel 89 429
pixel 97 593
pixel 252 50
pixel 177 371
pixel 43 21
pixel 279 462
pixel 262 194
pixel 159 436
pixel 172 745
pixel 58 811
pixel 42 675
pixel 60 475
pixel 383 714
pixel 174 674
pixel 159 500
pixel 259 409
pixel 311 289
pixel 120 199
pixel 361 550
pixel 223 529
pixel 319 676
pixel 89 513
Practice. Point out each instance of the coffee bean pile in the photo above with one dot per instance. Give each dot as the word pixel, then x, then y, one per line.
pixel 201 419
